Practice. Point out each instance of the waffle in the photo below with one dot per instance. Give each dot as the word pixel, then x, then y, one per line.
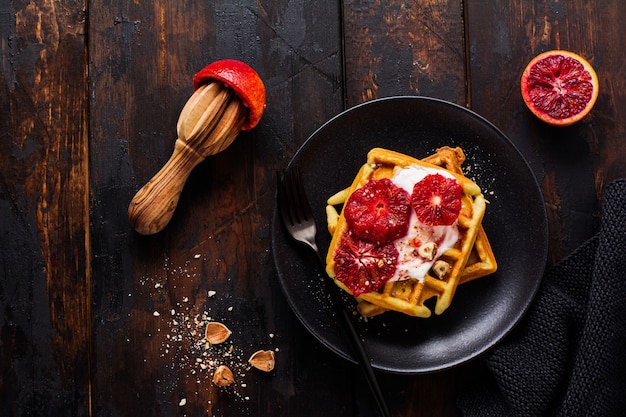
pixel 471 258
pixel 481 261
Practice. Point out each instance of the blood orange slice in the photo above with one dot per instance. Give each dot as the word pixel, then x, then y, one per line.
pixel 437 200
pixel 379 211
pixel 559 87
pixel 243 80
pixel 364 266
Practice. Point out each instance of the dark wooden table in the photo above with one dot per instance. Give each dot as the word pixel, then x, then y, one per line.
pixel 98 320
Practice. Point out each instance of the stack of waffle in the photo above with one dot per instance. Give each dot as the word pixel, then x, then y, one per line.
pixel 469 259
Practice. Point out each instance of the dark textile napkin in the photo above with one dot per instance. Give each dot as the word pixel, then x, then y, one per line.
pixel 567 357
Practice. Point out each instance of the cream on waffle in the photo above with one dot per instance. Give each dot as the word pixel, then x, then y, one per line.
pixel 469 258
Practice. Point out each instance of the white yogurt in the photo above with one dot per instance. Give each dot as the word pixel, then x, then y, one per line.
pixel 410 263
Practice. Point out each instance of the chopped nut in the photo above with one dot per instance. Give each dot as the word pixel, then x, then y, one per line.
pixel 262 360
pixel 223 376
pixel 427 250
pixel 441 268
pixel 216 332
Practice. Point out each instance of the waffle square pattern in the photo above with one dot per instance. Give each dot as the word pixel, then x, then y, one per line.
pixel 468 257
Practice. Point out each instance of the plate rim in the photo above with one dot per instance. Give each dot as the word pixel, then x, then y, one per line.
pixel 512 323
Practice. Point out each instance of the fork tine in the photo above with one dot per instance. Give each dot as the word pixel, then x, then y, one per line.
pixel 296 196
pixel 305 212
pixel 282 195
pixel 291 191
pixel 289 198
pixel 295 211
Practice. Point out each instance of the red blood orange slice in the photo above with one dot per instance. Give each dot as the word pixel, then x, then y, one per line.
pixel 437 200
pixel 243 80
pixel 379 211
pixel 364 266
pixel 559 87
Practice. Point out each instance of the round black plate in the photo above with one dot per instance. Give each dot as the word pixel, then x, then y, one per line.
pixel 482 311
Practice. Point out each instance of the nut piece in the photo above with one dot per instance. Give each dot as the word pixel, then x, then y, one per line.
pixel 441 268
pixel 262 360
pixel 216 332
pixel 223 376
pixel 427 250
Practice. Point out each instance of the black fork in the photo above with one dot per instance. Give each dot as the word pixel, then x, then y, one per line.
pixel 295 210
pixel 297 216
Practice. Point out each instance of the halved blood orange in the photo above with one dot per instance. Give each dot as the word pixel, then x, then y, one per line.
pixel 243 80
pixel 559 87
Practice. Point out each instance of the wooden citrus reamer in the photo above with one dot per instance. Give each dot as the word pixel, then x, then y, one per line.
pixel 229 97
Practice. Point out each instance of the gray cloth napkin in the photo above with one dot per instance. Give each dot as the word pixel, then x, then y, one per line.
pixel 567 357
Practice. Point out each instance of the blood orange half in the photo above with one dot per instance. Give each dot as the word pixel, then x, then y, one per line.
pixel 243 80
pixel 559 87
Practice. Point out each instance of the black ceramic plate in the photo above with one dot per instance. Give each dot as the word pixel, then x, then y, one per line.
pixel 482 311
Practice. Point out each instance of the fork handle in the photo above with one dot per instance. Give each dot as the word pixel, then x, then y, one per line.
pixel 366 365
pixel 357 344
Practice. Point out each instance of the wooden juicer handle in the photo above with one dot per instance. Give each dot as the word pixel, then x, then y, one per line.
pixel 208 124
pixel 229 97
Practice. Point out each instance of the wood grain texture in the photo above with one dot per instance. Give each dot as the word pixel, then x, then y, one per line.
pixel 572 164
pixel 45 309
pixel 404 48
pixel 152 293
pixel 97 320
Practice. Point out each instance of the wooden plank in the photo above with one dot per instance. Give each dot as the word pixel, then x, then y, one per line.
pixel 583 157
pixel 408 48
pixel 404 48
pixel 154 293
pixel 45 310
